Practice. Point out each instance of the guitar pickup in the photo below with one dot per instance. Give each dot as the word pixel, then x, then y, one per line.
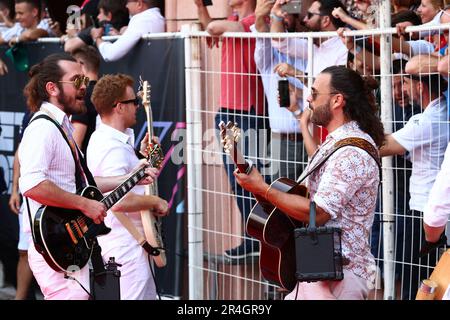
pixel 71 234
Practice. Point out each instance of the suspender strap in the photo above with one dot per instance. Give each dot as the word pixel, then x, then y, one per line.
pixel 96 257
pixel 78 174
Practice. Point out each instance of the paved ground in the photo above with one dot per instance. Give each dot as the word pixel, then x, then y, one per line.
pixel 8 292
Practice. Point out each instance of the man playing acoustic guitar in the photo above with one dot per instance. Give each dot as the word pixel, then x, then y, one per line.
pixel 344 187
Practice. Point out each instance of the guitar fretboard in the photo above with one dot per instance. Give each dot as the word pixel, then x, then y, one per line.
pixel 123 188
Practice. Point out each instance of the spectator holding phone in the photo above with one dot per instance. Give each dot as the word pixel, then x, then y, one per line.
pixel 145 18
pixel 287 153
pixel 243 103
pixel 112 15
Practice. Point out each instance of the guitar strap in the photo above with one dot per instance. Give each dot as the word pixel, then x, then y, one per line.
pixel 351 141
pixel 131 228
pixel 96 257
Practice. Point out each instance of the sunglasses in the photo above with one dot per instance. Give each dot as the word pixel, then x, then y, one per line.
pixel 314 94
pixel 310 14
pixel 136 101
pixel 78 81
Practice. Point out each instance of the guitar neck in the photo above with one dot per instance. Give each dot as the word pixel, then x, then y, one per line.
pixel 152 189
pixel 119 192
pixel 239 159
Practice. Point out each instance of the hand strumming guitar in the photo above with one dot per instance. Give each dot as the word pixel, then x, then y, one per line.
pixel 93 209
pixel 161 208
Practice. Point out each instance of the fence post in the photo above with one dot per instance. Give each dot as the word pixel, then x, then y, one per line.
pixel 388 217
pixel 194 161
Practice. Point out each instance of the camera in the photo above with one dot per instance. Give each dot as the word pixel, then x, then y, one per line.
pixel 292 7
pixel 283 91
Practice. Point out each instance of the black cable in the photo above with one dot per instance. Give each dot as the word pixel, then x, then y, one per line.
pixel 153 275
pixel 296 292
pixel 66 276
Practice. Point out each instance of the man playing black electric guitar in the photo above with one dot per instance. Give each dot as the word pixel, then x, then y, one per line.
pixel 50 165
pixel 344 187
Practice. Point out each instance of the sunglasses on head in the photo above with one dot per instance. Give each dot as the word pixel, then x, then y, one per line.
pixel 134 101
pixel 78 81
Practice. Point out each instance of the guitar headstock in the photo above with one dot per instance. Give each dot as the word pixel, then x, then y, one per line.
pixel 155 155
pixel 145 92
pixel 230 134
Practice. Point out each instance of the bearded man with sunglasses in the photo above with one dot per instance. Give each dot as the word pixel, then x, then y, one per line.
pixel 344 187
pixel 51 169
pixel 111 152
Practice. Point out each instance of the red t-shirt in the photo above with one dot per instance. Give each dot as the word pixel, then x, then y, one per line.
pixel 241 86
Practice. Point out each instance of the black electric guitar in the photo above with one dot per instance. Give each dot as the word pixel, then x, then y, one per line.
pixel 273 228
pixel 65 237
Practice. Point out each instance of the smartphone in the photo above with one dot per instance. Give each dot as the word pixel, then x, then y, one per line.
pixel 94 21
pixel 283 92
pixel 292 7
pixel 107 28
pixel 207 3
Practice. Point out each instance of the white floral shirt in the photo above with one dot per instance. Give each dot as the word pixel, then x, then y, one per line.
pixel 346 187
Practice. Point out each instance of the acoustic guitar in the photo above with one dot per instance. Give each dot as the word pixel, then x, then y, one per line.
pixel 273 228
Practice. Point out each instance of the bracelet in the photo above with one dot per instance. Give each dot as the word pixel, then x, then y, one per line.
pixel 267 192
pixel 297 112
pixel 275 17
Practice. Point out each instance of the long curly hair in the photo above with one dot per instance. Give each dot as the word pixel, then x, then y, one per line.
pixel 360 104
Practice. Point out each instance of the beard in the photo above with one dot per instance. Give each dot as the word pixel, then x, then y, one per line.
pixel 321 115
pixel 72 105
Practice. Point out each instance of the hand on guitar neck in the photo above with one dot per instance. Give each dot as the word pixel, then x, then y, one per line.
pixel 151 173
pixel 247 176
pixel 146 149
pixel 145 146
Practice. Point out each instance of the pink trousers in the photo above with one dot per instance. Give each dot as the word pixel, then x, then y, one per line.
pixel 351 287
pixel 53 284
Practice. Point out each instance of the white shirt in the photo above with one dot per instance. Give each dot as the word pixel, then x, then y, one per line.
pixel 3 28
pixel 148 21
pixel 437 209
pixel 17 30
pixel 331 52
pixel 420 47
pixel 266 58
pixel 110 153
pixel 45 155
pixel 425 136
